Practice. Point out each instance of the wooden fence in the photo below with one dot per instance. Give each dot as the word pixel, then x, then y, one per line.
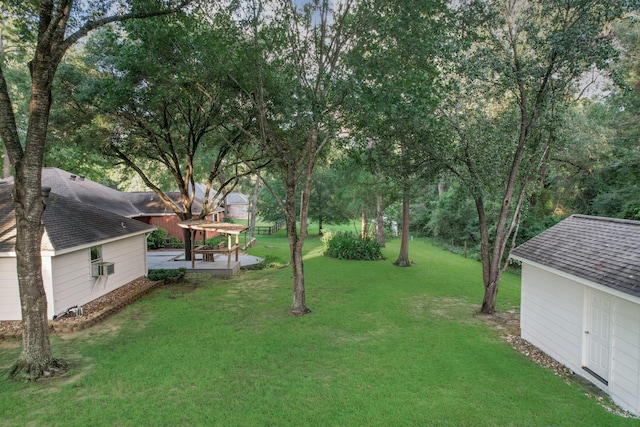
pixel 270 229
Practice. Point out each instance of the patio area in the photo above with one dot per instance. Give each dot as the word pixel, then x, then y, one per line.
pixel 174 259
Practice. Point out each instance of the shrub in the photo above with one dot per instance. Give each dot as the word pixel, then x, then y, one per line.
pixel 157 238
pixel 168 275
pixel 346 245
pixel 270 262
pixel 213 241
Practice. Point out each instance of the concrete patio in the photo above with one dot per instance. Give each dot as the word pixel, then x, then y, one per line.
pixel 174 259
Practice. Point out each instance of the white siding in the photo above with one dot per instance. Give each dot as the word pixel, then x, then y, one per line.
pixel 552 318
pixel 73 283
pixel 9 293
pixel 47 281
pixel 625 377
pixel 551 315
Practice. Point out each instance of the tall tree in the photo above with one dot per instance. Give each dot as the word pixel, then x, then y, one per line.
pixel 296 65
pixel 162 96
pixel 522 59
pixel 55 26
pixel 395 79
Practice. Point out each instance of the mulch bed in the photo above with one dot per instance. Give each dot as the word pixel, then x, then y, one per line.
pixel 92 312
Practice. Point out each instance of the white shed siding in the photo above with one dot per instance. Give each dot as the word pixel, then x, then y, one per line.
pixel 74 284
pixel 9 293
pixel 551 316
pixel 625 377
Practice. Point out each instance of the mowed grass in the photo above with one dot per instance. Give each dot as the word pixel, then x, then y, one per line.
pixel 383 346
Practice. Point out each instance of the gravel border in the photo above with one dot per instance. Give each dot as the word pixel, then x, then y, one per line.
pixel 93 312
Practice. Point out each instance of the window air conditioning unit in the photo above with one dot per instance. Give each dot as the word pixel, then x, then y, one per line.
pixel 102 269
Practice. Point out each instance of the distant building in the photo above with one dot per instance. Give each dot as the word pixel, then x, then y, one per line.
pixel 237 206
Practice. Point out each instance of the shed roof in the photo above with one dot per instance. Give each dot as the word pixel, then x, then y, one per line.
pixel 237 199
pixel 602 250
pixel 68 223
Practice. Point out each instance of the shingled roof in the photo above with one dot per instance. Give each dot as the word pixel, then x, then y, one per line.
pixel 68 223
pixel 86 191
pixel 129 204
pixel 601 250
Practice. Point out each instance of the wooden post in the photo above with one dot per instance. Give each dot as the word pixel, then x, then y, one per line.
pixel 193 247
pixel 237 246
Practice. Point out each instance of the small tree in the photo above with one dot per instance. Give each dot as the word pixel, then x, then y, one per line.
pixel 293 84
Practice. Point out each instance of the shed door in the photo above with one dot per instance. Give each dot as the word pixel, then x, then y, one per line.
pixel 598 334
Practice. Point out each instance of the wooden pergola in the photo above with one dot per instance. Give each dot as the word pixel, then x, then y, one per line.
pixel 203 225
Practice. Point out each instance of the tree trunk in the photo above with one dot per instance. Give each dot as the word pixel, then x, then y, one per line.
pixel 491 272
pixel 490 296
pixel 380 221
pixel 6 165
pixel 403 257
pixel 363 223
pixel 320 226
pixel 298 307
pixel 253 212
pixel 186 233
pixel 36 359
pixel 296 241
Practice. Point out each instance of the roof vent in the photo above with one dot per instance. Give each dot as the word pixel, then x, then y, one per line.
pixel 72 177
pixel 81 177
pixel 46 191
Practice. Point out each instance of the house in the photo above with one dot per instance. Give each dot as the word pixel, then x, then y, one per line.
pixel 237 206
pixel 581 301
pixel 152 210
pixel 87 252
pixel 143 206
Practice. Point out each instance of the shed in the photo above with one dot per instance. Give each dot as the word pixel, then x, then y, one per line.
pixel 86 253
pixel 237 205
pixel 580 301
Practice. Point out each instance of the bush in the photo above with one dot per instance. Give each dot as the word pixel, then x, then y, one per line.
pixel 270 262
pixel 168 275
pixel 157 238
pixel 346 245
pixel 213 241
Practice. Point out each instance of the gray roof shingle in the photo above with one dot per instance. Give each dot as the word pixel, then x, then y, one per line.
pixel 68 223
pixel 129 204
pixel 602 250
pixel 84 190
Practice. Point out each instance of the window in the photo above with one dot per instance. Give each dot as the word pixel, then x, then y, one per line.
pixel 96 254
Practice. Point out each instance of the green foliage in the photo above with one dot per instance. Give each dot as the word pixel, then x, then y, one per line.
pixel 346 245
pixel 212 241
pixel 168 275
pixel 271 261
pixel 157 238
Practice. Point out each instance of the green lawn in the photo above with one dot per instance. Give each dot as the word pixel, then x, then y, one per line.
pixel 383 346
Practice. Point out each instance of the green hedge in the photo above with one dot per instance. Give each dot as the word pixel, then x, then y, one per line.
pixel 168 275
